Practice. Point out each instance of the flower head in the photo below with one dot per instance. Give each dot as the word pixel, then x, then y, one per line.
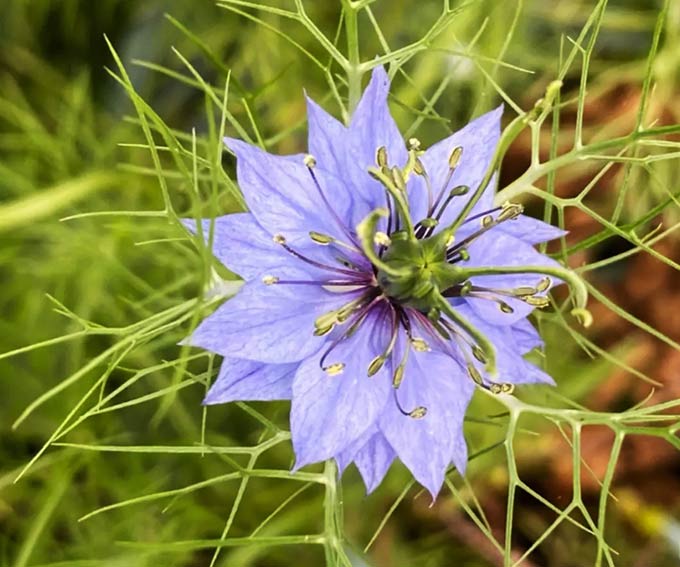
pixel 382 286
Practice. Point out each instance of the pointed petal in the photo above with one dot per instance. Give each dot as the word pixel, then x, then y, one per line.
pixel 282 195
pixel 374 460
pixel 248 380
pixel 478 139
pixel 330 412
pixel 531 230
pixel 273 324
pixel 241 244
pixel 372 125
pixel 428 445
pixel 498 249
pixel 334 149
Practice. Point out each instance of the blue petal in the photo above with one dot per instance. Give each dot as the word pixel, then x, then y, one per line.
pixel 499 249
pixel 372 125
pixel 511 366
pixel 241 244
pixel 273 324
pixel 248 380
pixel 531 230
pixel 427 446
pixel 282 195
pixel 332 146
pixel 478 139
pixel 330 412
pixel 526 336
pixel 374 460
pixel 373 456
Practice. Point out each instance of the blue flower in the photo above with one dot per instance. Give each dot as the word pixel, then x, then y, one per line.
pixel 382 286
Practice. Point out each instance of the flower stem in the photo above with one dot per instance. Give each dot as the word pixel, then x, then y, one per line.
pixel 333 522
pixel 353 68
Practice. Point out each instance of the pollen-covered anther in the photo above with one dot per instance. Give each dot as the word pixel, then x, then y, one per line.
pixel 537 301
pixel 381 239
pixel 398 178
pixel 487 221
pixel 420 345
pixel 321 331
pixel 309 161
pixel 270 280
pixel 413 144
pixel 279 239
pixel 510 211
pixel 418 413
pixel 450 240
pixel 334 369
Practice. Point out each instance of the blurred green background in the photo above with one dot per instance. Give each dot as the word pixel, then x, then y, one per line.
pixel 71 143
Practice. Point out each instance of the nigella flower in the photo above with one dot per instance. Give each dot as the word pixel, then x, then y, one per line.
pixel 382 286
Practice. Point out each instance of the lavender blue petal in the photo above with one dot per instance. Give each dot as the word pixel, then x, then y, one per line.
pixel 330 412
pixel 249 380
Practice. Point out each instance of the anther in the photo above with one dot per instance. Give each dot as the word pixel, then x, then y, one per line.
pixel 504 307
pixel 487 221
pixel 418 167
pixel 321 331
pixel 309 161
pixel 376 364
pixel 398 376
pixel 381 239
pixel 335 368
pixel 420 345
pixel 418 413
pixel 450 240
pixel 523 291
pixel 326 320
pixel 464 254
pixel 381 157
pixel 279 239
pixel 270 280
pixel 321 238
pixel 479 354
pixel 466 288
pixel 454 158
pixel 510 211
pixel 398 178
pixel 544 284
pixel 474 374
pixel 536 301
pixel 413 144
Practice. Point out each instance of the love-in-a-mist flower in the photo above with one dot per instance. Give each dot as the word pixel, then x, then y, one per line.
pixel 382 286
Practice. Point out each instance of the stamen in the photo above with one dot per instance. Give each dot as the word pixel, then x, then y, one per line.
pixel 508 211
pixel 454 159
pixel 378 362
pixel 320 238
pixel 501 388
pixel 280 239
pixel 475 374
pixel 310 163
pixel 270 280
pixel 418 412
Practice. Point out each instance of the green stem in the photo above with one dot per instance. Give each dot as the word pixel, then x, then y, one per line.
pixel 353 68
pixel 577 285
pixel 332 505
pixel 366 231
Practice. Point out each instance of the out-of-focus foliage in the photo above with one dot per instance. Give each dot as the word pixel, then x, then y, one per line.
pixel 106 405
